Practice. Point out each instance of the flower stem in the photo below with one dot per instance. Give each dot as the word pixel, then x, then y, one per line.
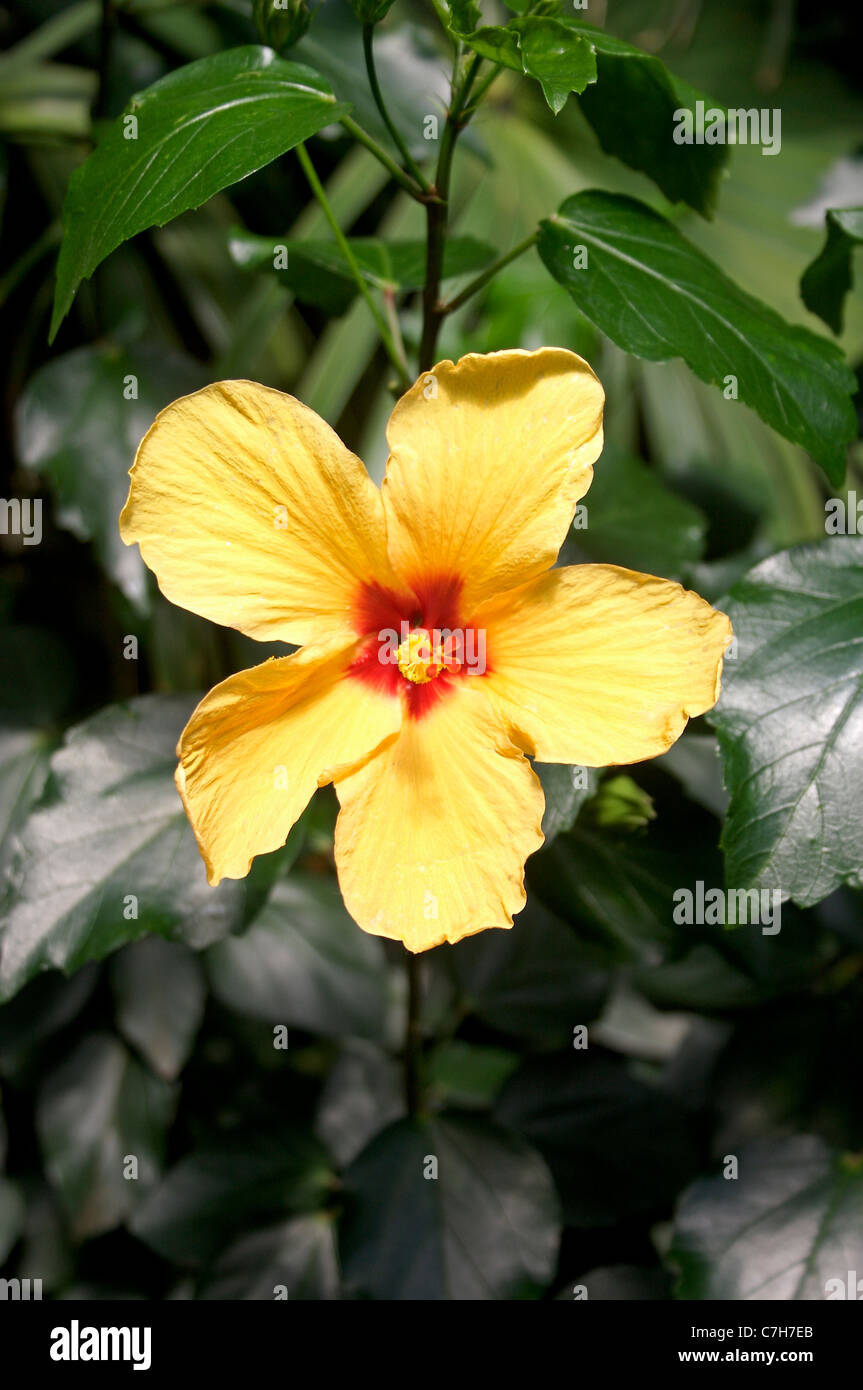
pixel 413 1036
pixel 488 274
pixel 401 145
pixel 437 217
pixel 317 188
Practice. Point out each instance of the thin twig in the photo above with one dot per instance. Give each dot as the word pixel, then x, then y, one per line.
pixel 317 188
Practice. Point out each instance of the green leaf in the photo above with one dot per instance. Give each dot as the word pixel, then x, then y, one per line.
pixel 318 273
pixel 113 841
pixel 619 894
pixel 828 279
pixel 424 1214
pixel 80 421
pixel 532 982
pixel 23 769
pixel 297 1256
pixel 561 62
pixel 470 1074
pixel 98 1110
pixel 789 1229
pixel 632 108
pixel 628 96
pixel 631 518
pixel 565 790
pixel 204 127
pixel 303 962
pixel 159 993
pixel 617 1148
pixel 216 1195
pixel 363 1093
pixel 656 296
pixel 789 722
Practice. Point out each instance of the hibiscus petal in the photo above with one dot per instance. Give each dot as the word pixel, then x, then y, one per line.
pixel 259 744
pixel 251 512
pixel 593 664
pixel 488 458
pixel 434 830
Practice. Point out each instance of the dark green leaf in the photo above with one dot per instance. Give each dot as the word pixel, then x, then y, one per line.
pixel 318 273
pixel 789 723
pixel 789 1228
pixel 95 1114
pixel 629 97
pixel 24 759
pixel 204 127
pixel 617 1147
pixel 632 107
pixel 485 1226
pixel 363 1093
pixel 113 841
pixel 631 518
pixel 216 1195
pixel 45 1006
pixel 619 893
pixel 658 297
pixel 565 790
pixel 295 1260
pixel 532 982
pixel 470 1074
pixel 80 421
pixel 828 279
pixel 305 963
pixel 561 62
pixel 160 992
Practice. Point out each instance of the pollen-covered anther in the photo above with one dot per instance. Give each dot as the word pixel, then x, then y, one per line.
pixel 419 659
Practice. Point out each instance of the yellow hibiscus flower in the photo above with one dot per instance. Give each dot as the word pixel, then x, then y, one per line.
pixel 438 647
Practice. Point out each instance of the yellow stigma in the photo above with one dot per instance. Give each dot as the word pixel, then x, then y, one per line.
pixel 415 657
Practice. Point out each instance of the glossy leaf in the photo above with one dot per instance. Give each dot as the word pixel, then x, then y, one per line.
pixel 617 1148
pixel 303 962
pixel 111 856
pixel 206 126
pixel 295 1260
pixel 790 723
pixel 448 1208
pixel 97 1111
pixel 655 295
pixel 789 1228
pixel 80 421
pixel 216 1195
pixel 531 982
pixel 628 96
pixel 159 993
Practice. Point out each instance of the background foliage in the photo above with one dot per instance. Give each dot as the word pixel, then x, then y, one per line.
pixel 262 1167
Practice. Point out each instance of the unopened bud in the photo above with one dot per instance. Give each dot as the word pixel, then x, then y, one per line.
pixel 281 23
pixel 371 11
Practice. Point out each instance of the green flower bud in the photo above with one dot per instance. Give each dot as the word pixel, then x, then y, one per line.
pixel 281 23
pixel 371 11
